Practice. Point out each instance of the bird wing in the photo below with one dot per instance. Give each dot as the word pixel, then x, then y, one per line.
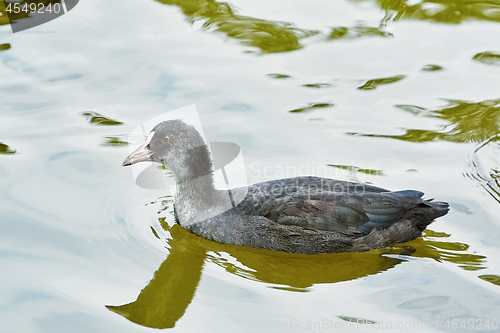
pixel 326 204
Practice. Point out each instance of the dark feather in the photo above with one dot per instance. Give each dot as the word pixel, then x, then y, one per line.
pixel 330 205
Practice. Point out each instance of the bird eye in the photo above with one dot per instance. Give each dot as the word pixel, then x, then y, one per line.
pixel 166 139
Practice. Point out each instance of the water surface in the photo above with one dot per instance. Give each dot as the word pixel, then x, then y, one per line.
pixel 400 94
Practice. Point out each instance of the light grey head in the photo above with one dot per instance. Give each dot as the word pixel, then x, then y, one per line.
pixel 178 146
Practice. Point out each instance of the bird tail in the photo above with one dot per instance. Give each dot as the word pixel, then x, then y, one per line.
pixel 430 211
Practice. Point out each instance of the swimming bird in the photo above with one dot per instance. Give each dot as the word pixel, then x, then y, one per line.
pixel 299 215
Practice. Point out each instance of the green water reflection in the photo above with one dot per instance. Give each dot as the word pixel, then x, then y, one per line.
pixel 268 36
pixel 98 119
pixel 431 68
pixel 279 76
pixel 432 245
pixel 4 19
pixel 372 84
pixel 491 278
pixel 443 11
pixel 354 169
pixel 468 122
pixel 489 58
pixel 115 141
pixel 273 36
pixel 165 299
pixel 312 106
pixel 317 85
pixel 5 149
pixel 358 31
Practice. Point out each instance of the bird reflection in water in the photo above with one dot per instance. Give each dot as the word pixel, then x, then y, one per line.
pixel 165 299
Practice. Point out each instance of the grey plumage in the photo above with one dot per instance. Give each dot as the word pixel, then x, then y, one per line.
pixel 300 215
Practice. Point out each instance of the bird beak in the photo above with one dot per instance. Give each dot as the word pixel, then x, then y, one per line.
pixel 141 154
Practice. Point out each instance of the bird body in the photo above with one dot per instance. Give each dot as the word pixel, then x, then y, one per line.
pixel 299 215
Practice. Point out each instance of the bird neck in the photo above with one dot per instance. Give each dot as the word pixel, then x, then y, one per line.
pixel 196 197
pixel 198 200
pixel 192 164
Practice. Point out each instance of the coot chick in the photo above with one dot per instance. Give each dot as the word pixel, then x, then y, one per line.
pixel 299 215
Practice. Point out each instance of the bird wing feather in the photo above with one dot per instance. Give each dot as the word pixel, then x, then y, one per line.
pixel 325 204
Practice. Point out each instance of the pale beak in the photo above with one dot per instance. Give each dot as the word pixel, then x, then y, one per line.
pixel 141 154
